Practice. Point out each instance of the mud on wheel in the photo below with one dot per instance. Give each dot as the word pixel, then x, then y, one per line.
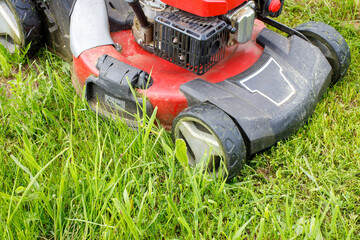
pixel 19 25
pixel 206 129
pixel 331 44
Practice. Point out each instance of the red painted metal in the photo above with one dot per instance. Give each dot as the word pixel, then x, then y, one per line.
pixel 165 93
pixel 275 6
pixel 205 8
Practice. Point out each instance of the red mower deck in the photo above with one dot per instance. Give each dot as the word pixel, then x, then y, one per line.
pixel 168 78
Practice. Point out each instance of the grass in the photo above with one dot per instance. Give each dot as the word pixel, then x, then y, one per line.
pixel 66 173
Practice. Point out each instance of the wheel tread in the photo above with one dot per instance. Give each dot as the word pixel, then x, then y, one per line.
pixel 225 130
pixel 27 14
pixel 334 41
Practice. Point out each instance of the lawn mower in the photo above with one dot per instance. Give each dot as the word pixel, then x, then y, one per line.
pixel 217 77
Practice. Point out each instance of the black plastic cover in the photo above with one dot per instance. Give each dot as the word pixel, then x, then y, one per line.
pixel 273 98
pixel 192 42
pixel 112 89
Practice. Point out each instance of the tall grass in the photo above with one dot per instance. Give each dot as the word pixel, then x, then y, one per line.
pixel 66 173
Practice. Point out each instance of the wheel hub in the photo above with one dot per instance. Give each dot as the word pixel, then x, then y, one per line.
pixel 9 30
pixel 199 141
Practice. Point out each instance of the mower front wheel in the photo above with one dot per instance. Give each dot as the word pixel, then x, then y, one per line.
pixel 210 134
pixel 19 25
pixel 331 43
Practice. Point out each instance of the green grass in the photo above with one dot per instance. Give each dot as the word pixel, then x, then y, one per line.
pixel 66 173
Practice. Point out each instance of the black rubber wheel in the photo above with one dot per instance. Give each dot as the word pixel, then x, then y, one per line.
pixel 331 44
pixel 206 128
pixel 24 23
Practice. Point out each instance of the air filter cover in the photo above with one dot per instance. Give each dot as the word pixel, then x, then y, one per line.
pixel 192 42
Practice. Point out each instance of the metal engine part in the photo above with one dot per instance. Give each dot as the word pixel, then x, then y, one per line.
pixel 150 8
pixel 242 20
pixel 192 42
pixel 143 35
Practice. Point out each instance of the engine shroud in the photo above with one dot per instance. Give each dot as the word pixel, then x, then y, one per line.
pixel 192 42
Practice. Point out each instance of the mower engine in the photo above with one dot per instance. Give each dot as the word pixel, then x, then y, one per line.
pixel 193 42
